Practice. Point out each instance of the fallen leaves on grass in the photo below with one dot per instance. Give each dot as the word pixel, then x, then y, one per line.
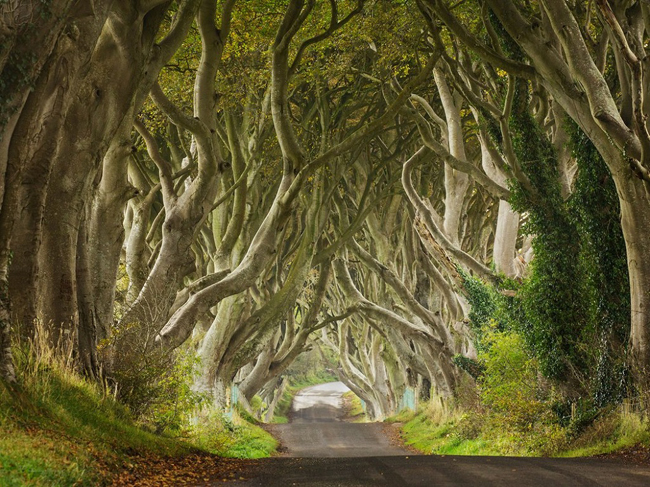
pixel 393 432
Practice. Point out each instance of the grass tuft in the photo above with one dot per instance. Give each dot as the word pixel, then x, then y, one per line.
pixel 232 437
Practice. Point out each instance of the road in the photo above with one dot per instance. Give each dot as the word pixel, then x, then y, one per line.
pixel 321 450
pixel 316 429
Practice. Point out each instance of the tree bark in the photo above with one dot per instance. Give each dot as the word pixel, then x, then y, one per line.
pixel 505 240
pixel 105 227
pixel 32 147
pixel 93 119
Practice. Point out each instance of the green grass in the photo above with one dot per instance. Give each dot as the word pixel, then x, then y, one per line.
pixel 235 437
pixel 355 412
pixel 442 439
pixel 619 430
pixel 59 430
pixel 474 434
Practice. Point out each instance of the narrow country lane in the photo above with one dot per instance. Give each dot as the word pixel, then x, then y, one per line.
pixel 321 450
pixel 316 428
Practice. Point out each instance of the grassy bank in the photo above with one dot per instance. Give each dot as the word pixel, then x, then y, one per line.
pixel 58 429
pixel 236 436
pixel 510 408
pixel 434 430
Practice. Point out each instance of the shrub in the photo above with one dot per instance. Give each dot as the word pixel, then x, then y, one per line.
pixel 155 384
pixel 518 401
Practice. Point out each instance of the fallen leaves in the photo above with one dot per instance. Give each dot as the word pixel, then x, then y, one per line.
pixel 637 454
pixel 200 469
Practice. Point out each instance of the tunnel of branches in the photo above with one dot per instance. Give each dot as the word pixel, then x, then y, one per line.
pixel 384 182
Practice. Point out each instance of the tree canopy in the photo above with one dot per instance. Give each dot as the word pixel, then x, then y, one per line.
pixel 392 182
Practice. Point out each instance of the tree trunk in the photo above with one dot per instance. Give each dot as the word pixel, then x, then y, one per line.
pixel 505 239
pixel 105 228
pixel 456 182
pixel 86 336
pixel 217 339
pixel 34 145
pixel 136 248
pixel 634 195
pixel 7 372
pixel 90 125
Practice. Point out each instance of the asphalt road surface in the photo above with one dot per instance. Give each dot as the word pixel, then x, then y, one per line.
pixel 323 451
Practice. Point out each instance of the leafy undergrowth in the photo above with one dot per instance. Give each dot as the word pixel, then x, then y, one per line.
pixel 620 431
pixel 58 429
pixel 511 409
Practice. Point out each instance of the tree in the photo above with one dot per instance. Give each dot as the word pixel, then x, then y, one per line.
pixel 567 53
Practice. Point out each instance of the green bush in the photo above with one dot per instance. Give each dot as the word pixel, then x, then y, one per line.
pixel 509 384
pixel 518 401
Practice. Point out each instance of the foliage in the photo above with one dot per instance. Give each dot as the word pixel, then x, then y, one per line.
pixel 473 433
pixel 595 206
pixel 514 415
pixel 489 309
pixel 469 365
pixel 553 297
pixel 573 308
pixel 175 400
pixel 483 303
pixel 509 385
pixel 516 399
